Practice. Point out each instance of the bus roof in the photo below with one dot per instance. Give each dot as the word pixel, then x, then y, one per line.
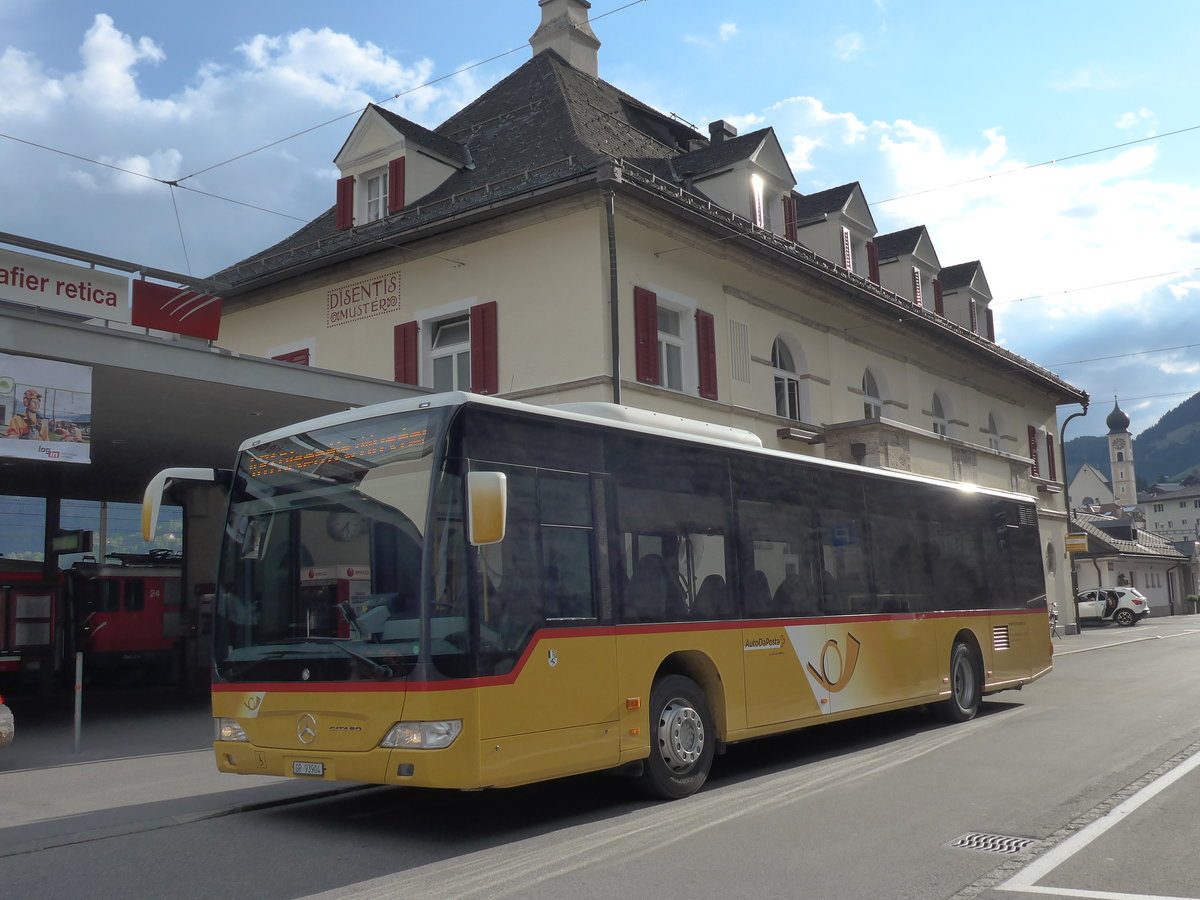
pixel 616 417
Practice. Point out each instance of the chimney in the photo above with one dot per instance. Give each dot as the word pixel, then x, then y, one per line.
pixel 566 31
pixel 720 131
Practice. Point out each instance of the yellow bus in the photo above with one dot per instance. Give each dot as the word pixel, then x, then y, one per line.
pixel 466 592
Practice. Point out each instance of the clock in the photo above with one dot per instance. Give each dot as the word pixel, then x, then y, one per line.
pixel 1119 443
pixel 345 526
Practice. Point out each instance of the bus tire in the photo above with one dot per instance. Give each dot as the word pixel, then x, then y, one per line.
pixel 682 739
pixel 966 685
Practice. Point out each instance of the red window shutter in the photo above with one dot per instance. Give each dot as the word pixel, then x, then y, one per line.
pixel 991 326
pixel 407 353
pixel 396 184
pixel 706 350
pixel 938 300
pixel 345 202
pixel 1050 467
pixel 645 326
pixel 789 217
pixel 873 261
pixel 847 252
pixel 485 371
pixel 1033 450
pixel 298 357
pixel 916 279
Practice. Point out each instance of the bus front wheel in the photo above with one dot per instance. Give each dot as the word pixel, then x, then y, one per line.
pixel 682 739
pixel 966 685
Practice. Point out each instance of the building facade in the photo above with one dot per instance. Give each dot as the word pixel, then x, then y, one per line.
pixel 558 240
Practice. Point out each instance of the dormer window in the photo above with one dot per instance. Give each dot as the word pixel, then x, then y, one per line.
pixel 756 191
pixel 376 195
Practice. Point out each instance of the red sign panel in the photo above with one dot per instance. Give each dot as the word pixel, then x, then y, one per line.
pixel 176 309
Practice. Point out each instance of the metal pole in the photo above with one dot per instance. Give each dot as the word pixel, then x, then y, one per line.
pixel 78 696
pixel 1062 443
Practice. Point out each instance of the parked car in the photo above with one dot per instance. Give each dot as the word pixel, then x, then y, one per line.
pixel 7 728
pixel 1123 605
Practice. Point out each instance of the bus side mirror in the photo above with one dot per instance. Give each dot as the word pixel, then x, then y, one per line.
pixel 487 507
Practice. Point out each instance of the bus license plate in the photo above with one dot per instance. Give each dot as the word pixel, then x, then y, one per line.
pixel 308 768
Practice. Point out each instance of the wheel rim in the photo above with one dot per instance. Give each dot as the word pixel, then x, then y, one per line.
pixel 680 735
pixel 964 682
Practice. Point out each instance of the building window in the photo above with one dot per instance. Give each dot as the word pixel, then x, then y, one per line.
pixel 450 354
pixel 376 195
pixel 940 425
pixel 756 198
pixel 450 350
pixel 787 385
pixel 1158 507
pixel 872 400
pixel 993 433
pixel 671 348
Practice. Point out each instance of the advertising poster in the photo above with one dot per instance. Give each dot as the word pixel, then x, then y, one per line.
pixel 45 409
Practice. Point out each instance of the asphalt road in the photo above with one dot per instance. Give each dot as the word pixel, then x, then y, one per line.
pixel 1092 777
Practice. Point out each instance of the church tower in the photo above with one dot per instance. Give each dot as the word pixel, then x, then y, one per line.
pixel 1120 457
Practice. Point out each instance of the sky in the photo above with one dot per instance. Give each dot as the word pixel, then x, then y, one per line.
pixel 1054 142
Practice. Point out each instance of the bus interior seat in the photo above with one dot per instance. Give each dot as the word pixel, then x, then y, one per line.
pixel 648 590
pixel 757 594
pixel 794 595
pixel 712 600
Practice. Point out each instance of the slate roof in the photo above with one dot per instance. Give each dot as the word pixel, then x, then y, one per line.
pixel 544 123
pixel 723 154
pixel 812 206
pixel 430 140
pixel 958 275
pixel 898 243
pixel 1145 543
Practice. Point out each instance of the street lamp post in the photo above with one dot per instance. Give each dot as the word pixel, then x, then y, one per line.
pixel 1062 440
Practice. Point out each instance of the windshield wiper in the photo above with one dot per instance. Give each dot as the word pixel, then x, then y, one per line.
pixel 379 670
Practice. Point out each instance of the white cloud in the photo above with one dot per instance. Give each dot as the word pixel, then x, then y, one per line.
pixel 278 85
pixel 1086 78
pixel 804 126
pixel 848 46
pixel 726 32
pixel 1133 119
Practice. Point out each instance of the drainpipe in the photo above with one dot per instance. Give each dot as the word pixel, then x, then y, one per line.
pixel 1062 448
pixel 614 307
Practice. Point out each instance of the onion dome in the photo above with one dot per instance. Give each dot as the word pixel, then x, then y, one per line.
pixel 1117 421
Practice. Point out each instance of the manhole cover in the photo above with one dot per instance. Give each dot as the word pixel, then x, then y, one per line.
pixel 992 843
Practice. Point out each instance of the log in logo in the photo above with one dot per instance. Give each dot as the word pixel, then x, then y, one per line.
pixel 835 669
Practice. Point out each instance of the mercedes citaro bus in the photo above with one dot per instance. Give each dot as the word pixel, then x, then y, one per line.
pixel 465 592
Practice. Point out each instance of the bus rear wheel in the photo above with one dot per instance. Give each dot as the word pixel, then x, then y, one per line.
pixel 682 739
pixel 966 685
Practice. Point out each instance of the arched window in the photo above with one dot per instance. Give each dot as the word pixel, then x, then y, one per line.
pixel 872 400
pixel 993 433
pixel 787 385
pixel 940 425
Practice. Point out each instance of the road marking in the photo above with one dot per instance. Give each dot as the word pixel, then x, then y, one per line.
pixel 1026 880
pixel 512 869
pixel 1136 640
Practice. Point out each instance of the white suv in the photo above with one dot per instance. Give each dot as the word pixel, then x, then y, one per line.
pixel 1123 605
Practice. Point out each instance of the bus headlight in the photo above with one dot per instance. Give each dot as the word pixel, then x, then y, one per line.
pixel 228 730
pixel 422 735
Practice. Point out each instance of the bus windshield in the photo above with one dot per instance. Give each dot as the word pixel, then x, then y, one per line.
pixel 321 571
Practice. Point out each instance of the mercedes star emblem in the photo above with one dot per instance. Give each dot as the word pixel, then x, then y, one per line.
pixel 306 728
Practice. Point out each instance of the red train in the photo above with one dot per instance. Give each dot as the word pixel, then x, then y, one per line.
pixel 127 615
